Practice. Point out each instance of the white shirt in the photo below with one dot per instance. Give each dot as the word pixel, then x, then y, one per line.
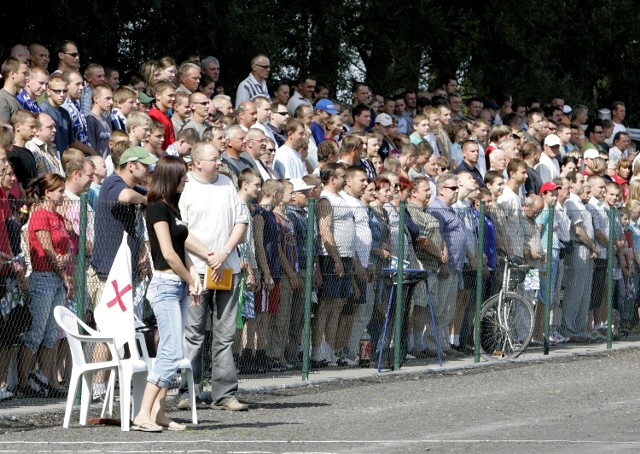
pixel 211 210
pixel 363 237
pixel 617 127
pixel 615 154
pixel 547 168
pixel 343 225
pixel 296 100
pixel 512 204
pixel 288 163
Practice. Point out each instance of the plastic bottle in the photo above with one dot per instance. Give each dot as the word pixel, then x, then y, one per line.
pixel 364 350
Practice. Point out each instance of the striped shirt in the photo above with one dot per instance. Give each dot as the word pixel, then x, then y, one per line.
pixel 250 88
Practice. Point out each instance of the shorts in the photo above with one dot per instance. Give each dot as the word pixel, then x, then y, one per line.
pixel 332 285
pixel 268 303
pixel 95 286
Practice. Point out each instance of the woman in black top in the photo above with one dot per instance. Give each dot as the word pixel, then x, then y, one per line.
pixel 174 280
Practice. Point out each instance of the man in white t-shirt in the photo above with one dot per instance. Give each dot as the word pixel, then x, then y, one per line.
pixel 511 201
pixel 548 168
pixel 288 161
pixel 355 184
pixel 618 114
pixel 210 207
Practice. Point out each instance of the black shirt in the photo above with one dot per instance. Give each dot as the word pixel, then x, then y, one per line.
pixel 157 212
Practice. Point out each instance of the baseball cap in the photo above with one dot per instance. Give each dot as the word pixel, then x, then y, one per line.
pixel 299 185
pixel 548 186
pixel 326 105
pixel 491 104
pixel 591 153
pixel 145 98
pixel 552 140
pixel 384 120
pixel 137 154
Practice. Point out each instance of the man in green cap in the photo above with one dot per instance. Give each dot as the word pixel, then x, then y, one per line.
pixel 116 212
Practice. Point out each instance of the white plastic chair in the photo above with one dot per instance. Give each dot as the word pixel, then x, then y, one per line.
pixel 85 370
pixel 132 375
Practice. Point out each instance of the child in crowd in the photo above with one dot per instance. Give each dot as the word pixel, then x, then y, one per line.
pixel 417 169
pixel 185 141
pixel 125 100
pixel 138 126
pixel 116 136
pixel 420 129
pixel 155 140
pixel 181 111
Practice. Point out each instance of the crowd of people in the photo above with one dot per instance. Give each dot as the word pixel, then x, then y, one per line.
pixel 201 180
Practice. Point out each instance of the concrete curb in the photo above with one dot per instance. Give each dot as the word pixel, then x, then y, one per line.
pixel 257 386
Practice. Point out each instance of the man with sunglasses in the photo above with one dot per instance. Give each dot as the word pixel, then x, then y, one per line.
pixel 444 289
pixel 595 134
pixel 199 104
pixel 56 96
pixel 279 116
pixel 256 83
pixel 68 57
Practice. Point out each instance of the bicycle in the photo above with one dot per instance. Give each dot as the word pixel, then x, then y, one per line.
pixel 507 318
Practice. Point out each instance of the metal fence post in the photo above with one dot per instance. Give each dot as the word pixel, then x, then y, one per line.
pixel 548 278
pixel 609 283
pixel 308 284
pixel 397 338
pixel 479 286
pixel 80 272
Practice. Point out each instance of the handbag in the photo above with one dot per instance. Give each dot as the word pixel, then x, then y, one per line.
pixel 223 284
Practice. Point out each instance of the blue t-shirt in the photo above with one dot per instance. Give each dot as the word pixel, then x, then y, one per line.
pixel 112 219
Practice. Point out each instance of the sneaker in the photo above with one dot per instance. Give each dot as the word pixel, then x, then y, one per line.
pixel 597 337
pixel 559 337
pixel 5 395
pixel 346 362
pixel 231 404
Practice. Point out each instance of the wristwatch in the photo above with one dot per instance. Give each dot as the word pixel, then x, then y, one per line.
pixel 227 250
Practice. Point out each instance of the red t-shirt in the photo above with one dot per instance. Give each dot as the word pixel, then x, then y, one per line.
pixel 5 213
pixel 169 134
pixel 43 219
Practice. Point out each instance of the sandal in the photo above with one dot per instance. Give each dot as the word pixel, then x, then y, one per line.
pixel 174 426
pixel 147 427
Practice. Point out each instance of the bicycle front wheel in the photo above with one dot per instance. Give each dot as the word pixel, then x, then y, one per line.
pixel 506 326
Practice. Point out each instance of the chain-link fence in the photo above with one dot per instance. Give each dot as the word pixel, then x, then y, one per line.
pixel 332 283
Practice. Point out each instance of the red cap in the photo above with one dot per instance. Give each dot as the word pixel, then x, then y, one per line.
pixel 548 186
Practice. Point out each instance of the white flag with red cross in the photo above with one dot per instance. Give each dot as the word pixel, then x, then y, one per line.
pixel 114 312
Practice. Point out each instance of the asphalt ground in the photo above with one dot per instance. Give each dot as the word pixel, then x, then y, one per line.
pixel 578 399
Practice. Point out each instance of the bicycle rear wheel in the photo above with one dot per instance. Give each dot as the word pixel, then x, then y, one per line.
pixel 506 326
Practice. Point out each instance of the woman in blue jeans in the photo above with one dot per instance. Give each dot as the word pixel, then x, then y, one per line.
pixel 49 282
pixel 174 280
